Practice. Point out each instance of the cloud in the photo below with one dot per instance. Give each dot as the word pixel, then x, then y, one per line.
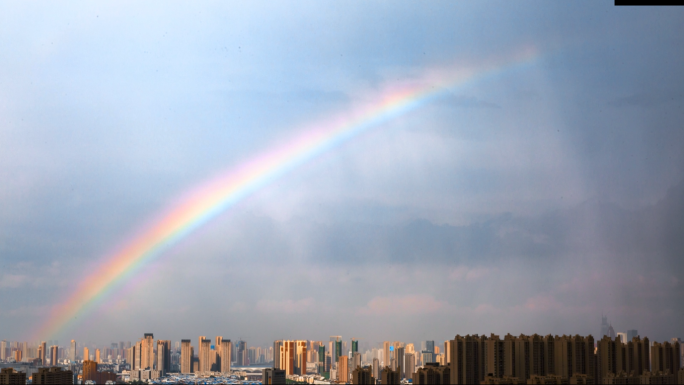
pixel 407 305
pixel 289 306
pixel 463 273
pixel 13 280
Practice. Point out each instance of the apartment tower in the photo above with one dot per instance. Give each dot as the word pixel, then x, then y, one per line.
pixel 186 357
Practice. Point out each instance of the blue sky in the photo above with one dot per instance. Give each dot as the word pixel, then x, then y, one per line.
pixel 533 201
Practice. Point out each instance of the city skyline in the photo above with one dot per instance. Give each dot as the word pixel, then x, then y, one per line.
pixel 392 172
pixel 463 359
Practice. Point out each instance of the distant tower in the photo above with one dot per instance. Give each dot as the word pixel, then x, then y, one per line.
pixel 604 326
pixel 631 334
pixel 72 352
pixel 611 332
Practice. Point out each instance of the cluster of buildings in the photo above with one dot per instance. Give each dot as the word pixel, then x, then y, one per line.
pixel 617 358
pixel 474 359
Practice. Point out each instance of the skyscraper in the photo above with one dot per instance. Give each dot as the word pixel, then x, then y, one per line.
pixel 3 350
pixel 163 356
pixel 410 362
pixel 465 360
pixel 362 376
pixel 241 353
pixel 356 360
pixel 321 357
pixel 54 355
pixel 631 334
pixel 604 327
pixel 399 354
pixel 338 349
pixel 376 368
pixel 225 353
pixel 389 376
pixel 89 371
pixel 43 353
pixel 205 359
pixel 665 357
pixel 276 354
pixel 385 353
pixel 97 356
pixel 137 355
pixel 354 346
pixel 300 359
pixel 287 357
pixel 335 349
pixel 147 352
pixel 343 369
pixel 186 356
pixel 72 352
pixel 86 354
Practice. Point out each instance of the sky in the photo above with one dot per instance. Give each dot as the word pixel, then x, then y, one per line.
pixel 532 200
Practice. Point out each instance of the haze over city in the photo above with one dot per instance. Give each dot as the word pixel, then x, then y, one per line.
pixel 392 171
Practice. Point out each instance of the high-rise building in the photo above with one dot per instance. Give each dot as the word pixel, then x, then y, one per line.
pixel 607 361
pixel 242 354
pixel 631 334
pixel 665 356
pixel 300 358
pixel 276 354
pixel 287 357
pixel 186 357
pixel 604 327
pixel 225 354
pixel 622 337
pixel 147 352
pixel 641 358
pixel 494 357
pixel 43 353
pixel 97 356
pixel 54 355
pixel 410 362
pixel 574 355
pixel 354 346
pixel 465 360
pixel 3 350
pixel 86 354
pixel 343 369
pixel 399 359
pixel 334 351
pixel 356 361
pixel 376 368
pixel 447 352
pixel 163 356
pixel 137 354
pixel 679 341
pixel 321 355
pixel 338 349
pixel 389 376
pixel 363 376
pixel 205 359
pixel 386 353
pixel 89 371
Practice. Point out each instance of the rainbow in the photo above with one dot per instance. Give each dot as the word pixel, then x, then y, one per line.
pixel 227 189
